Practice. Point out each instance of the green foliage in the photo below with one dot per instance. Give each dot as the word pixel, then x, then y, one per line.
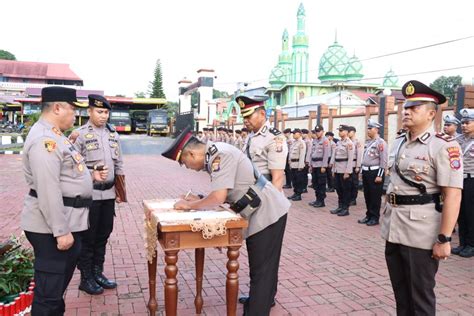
pixel 172 109
pixel 29 121
pixel 156 86
pixel 219 94
pixel 447 86
pixel 16 267
pixel 6 55
pixel 140 94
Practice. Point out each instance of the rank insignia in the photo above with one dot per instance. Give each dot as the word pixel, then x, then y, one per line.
pixel 89 136
pixel 216 164
pixel 454 157
pixel 410 89
pixel 57 131
pixel 98 103
pixel 113 145
pixel 418 178
pixel 112 135
pixel 77 157
pixel 80 167
pixel 279 144
pixel 50 145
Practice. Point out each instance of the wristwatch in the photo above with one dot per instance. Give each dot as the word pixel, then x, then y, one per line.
pixel 442 239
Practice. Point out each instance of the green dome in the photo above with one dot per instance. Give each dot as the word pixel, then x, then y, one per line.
pixel 333 63
pixel 278 76
pixel 390 79
pixel 353 70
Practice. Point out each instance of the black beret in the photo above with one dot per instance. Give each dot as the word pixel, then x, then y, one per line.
pixel 329 134
pixel 296 130
pixel 99 101
pixel 344 128
pixel 304 131
pixel 318 128
pixel 287 130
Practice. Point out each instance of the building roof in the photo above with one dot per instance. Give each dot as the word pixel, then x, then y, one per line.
pixel 36 70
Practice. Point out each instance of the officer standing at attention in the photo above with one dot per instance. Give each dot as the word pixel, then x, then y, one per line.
pixel 266 147
pixel 235 180
pixel 374 164
pixel 99 143
pixel 318 160
pixel 309 142
pixel 329 174
pixel 297 161
pixel 423 200
pixel 358 152
pixel 289 142
pixel 56 210
pixel 466 214
pixel 451 124
pixel 245 138
pixel 342 163
pixel 238 143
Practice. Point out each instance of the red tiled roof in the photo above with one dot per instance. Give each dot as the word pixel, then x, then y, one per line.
pixel 36 70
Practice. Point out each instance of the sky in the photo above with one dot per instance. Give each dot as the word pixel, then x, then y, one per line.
pixel 113 45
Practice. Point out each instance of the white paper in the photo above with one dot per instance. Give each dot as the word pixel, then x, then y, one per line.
pixel 193 215
pixel 162 204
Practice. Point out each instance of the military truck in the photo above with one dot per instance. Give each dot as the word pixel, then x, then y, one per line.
pixel 157 122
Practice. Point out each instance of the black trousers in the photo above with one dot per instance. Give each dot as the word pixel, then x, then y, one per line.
pixel 372 193
pixel 343 189
pixel 305 176
pixel 298 180
pixel 466 214
pixel 288 175
pixel 412 273
pixel 101 224
pixel 355 185
pixel 319 183
pixel 53 272
pixel 330 178
pixel 264 251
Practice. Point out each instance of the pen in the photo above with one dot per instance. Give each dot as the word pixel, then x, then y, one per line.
pixel 187 194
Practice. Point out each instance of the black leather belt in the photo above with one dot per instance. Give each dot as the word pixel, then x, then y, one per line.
pixel 341 159
pixel 267 176
pixel 294 160
pixel 468 176
pixel 76 202
pixel 317 159
pixel 102 186
pixel 418 199
pixel 250 198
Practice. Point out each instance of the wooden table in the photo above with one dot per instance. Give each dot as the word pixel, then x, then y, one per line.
pixel 173 237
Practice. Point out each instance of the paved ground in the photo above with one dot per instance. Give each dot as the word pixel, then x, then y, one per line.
pixel 330 265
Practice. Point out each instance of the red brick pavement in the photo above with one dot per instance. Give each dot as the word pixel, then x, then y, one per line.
pixel 330 265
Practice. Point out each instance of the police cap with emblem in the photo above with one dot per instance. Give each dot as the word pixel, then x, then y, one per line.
pixel 344 128
pixel 467 115
pixel 174 151
pixel 373 124
pixel 318 128
pixel 99 101
pixel 296 130
pixel 60 94
pixel 248 104
pixel 417 93
pixel 451 119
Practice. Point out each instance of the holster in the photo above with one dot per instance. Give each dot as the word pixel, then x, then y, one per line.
pixel 120 189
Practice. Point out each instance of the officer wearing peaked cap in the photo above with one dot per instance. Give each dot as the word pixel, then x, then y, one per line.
pixel 466 214
pixel 374 164
pixel 423 200
pixel 297 162
pixel 235 180
pixel 318 160
pixel 100 144
pixel 451 124
pixel 267 149
pixel 56 209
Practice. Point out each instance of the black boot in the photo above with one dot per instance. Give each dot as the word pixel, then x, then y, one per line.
pixel 291 196
pixel 88 284
pixel 319 204
pixel 313 203
pixel 102 280
pixel 457 250
pixel 297 197
pixel 343 212
pixel 336 210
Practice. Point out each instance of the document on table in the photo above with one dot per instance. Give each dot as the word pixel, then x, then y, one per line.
pixel 194 215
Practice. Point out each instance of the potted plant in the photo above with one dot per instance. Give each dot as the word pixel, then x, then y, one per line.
pixel 16 273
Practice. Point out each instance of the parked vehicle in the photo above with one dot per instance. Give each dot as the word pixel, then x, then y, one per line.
pixel 157 122
pixel 121 120
pixel 139 121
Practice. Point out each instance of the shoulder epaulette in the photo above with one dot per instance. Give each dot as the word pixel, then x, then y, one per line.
pixel 110 127
pixel 275 131
pixel 445 137
pixel 402 135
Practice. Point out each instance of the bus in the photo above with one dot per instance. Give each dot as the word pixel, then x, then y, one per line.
pixel 121 120
pixel 157 123
pixel 139 121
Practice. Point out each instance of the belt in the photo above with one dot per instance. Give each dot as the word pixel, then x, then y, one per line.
pixel 317 159
pixel 341 159
pixel 418 199
pixel 250 198
pixel 75 202
pixel 102 186
pixel 294 160
pixel 368 168
pixel 468 175
pixel 267 176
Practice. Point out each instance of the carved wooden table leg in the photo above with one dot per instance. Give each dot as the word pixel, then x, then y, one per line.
pixel 232 282
pixel 152 304
pixel 199 257
pixel 171 283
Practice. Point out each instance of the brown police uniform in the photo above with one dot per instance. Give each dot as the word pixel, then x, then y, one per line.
pixel 318 158
pixel 297 162
pixel 342 162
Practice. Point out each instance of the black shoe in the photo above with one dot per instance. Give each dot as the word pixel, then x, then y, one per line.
pixel 336 210
pixel 364 220
pixel 89 285
pixel 313 203
pixel 373 222
pixel 330 190
pixel 344 212
pixel 467 252
pixel 297 197
pixel 291 196
pixel 310 186
pixel 102 280
pixel 352 203
pixel 457 250
pixel 305 191
pixel 286 186
pixel 244 300
pixel 319 204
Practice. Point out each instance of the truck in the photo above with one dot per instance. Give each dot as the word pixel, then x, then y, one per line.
pixel 157 122
pixel 121 120
pixel 139 121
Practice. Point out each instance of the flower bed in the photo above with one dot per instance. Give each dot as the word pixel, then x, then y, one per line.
pixel 18 304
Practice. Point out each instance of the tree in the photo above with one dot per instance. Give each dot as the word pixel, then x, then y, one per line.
pixel 156 86
pixel 447 86
pixel 219 94
pixel 140 94
pixel 172 109
pixel 6 55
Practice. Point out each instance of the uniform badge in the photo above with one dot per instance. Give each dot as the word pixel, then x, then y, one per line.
pixel 241 104
pixel 279 144
pixel 116 151
pixel 418 178
pixel 50 145
pixel 216 164
pixel 113 145
pixel 98 103
pixel 454 158
pixel 89 136
pixel 77 157
pixel 80 167
pixel 112 135
pixel 381 147
pixel 410 89
pixel 57 131
pixel 349 146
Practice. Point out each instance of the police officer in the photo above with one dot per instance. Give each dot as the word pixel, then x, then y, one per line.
pixel 342 163
pixel 289 141
pixel 235 180
pixel 318 160
pixel 329 174
pixel 55 211
pixel 427 166
pixel 200 136
pixel 374 164
pixel 309 142
pixel 245 138
pixel 358 152
pixel 99 143
pixel 297 162
pixel 451 124
pixel 238 143
pixel 466 215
